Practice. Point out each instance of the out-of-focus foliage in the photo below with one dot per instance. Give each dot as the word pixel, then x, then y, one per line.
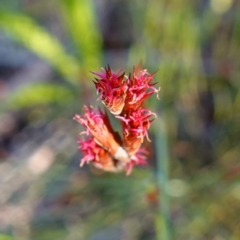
pixel 195 47
pixel 39 94
pixel 37 39
pixel 81 21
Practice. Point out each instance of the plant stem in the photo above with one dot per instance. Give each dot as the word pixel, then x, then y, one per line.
pixel 163 218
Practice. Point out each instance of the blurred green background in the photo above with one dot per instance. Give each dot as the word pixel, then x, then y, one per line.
pixel 191 187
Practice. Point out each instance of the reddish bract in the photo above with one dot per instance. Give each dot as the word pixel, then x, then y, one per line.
pixel 124 97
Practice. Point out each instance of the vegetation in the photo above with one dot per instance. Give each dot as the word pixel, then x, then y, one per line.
pixel 191 188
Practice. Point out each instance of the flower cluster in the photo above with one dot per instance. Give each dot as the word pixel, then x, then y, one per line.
pixel 123 96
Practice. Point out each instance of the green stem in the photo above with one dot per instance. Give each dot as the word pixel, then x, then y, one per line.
pixel 163 224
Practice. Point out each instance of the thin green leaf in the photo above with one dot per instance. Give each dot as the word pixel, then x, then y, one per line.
pixel 80 18
pixel 38 40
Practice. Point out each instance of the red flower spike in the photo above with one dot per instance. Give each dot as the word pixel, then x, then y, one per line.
pixel 90 150
pixel 124 98
pixel 138 159
pixel 135 125
pixel 139 89
pixel 112 89
pixel 98 125
pixel 98 156
pixel 135 119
